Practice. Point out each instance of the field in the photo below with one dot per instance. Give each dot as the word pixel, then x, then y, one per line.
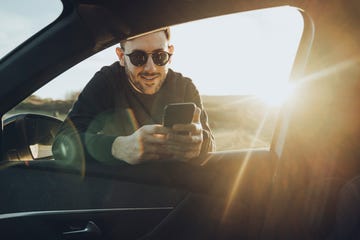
pixel 240 122
pixel 237 122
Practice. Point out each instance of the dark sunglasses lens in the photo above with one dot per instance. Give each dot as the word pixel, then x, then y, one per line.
pixel 138 58
pixel 160 58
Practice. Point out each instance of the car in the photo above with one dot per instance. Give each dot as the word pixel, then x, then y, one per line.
pixel 289 189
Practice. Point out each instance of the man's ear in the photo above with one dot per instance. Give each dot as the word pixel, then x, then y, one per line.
pixel 121 55
pixel 171 50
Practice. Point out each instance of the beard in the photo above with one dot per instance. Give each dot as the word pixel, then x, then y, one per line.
pixel 137 83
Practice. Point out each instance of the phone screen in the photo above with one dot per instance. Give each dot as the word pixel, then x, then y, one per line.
pixel 178 113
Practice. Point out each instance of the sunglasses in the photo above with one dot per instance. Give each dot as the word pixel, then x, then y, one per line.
pixel 139 58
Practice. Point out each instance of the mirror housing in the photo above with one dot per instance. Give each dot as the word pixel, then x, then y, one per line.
pixel 29 137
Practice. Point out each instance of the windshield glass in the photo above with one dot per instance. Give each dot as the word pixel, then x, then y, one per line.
pixel 19 20
pixel 241 64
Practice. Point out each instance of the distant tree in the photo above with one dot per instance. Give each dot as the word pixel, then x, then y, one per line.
pixel 72 96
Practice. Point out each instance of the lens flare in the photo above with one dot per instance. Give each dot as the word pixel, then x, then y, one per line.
pixel 242 169
pixel 276 95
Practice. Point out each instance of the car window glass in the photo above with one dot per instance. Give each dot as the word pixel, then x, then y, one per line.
pixel 240 63
pixel 19 20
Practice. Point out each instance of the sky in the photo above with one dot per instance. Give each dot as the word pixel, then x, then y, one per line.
pixel 246 53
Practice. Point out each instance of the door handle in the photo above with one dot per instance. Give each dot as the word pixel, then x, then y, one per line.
pixel 91 231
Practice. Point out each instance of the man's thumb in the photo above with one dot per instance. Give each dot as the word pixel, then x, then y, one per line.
pixel 196 117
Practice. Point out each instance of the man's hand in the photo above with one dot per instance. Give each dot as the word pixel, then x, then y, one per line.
pixel 186 146
pixel 155 142
pixel 145 144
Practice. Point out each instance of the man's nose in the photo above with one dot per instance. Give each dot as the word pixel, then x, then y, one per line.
pixel 150 65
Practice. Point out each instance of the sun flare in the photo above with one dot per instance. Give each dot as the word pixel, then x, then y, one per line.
pixel 275 96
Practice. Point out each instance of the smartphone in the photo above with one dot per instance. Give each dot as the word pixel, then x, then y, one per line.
pixel 178 113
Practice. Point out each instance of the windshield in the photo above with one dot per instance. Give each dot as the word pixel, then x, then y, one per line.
pixel 19 20
pixel 243 65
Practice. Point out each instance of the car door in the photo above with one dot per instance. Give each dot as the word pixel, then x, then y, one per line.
pixel 43 198
pixel 52 199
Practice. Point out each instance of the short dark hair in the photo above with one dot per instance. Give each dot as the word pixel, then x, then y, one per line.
pixel 166 30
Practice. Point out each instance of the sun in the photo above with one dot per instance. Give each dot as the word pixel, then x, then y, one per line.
pixel 276 95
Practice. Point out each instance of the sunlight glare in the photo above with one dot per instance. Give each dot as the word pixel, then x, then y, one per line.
pixel 242 169
pixel 275 96
pixel 251 52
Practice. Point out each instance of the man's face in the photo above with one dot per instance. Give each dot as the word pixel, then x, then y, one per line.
pixel 148 78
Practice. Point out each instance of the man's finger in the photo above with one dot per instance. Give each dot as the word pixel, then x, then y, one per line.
pixel 154 129
pixel 187 155
pixel 154 139
pixel 186 139
pixel 196 116
pixel 183 147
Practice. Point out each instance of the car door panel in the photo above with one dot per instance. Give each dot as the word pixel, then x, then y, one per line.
pixel 127 200
pixel 124 223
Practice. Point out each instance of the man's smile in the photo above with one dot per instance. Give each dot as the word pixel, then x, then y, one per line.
pixel 148 77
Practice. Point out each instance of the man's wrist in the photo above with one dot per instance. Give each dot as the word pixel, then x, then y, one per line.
pixel 120 150
pixel 115 151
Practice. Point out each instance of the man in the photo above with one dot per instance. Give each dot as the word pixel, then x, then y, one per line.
pixel 118 115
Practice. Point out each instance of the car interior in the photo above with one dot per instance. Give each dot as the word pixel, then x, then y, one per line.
pixel 287 191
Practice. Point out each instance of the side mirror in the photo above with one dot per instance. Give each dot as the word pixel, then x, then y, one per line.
pixel 29 137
